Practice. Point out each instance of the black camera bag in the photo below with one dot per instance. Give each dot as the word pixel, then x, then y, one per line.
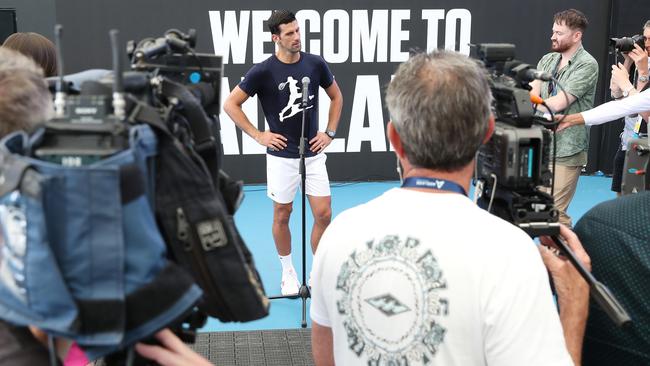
pixel 194 216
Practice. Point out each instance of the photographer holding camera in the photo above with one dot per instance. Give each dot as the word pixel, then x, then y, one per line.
pixel 577 71
pixel 622 87
pixel 421 274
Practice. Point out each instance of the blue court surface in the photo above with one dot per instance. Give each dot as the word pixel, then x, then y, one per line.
pixel 254 220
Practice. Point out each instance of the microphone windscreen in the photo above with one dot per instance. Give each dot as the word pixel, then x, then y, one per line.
pixel 305 90
pixel 536 100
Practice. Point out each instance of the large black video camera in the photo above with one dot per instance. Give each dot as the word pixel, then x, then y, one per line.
pixel 515 162
pixel 164 113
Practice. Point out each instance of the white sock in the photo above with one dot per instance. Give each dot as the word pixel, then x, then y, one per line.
pixel 287 264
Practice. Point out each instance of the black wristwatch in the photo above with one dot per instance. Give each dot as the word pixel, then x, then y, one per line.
pixel 330 133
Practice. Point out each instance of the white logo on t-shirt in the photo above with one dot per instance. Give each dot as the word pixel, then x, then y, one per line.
pixel 295 97
pixel 396 325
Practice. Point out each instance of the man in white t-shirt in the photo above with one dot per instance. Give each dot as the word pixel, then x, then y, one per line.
pixel 421 275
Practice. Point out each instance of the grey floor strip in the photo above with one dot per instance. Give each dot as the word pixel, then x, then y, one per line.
pixel 289 347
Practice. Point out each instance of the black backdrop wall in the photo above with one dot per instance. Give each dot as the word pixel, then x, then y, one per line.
pixel 363 41
pixel 7 23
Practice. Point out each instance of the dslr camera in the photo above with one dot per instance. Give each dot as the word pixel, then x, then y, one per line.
pixel 626 44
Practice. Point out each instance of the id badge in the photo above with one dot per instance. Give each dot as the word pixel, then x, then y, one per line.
pixel 637 125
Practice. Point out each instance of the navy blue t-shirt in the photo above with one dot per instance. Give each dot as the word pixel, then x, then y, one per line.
pixel 279 87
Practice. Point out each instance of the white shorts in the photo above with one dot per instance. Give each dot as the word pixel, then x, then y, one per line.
pixel 283 177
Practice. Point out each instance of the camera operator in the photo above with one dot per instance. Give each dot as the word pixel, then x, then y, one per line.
pixel 577 71
pixel 25 101
pixel 621 87
pixel 423 275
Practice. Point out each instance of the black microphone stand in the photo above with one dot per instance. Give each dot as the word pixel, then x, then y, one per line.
pixel 303 292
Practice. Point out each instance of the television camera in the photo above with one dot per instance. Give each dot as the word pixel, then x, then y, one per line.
pixel 516 162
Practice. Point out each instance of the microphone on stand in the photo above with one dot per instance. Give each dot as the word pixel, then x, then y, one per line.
pixel 305 91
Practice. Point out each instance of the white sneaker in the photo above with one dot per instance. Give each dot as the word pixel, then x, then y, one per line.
pixel 290 284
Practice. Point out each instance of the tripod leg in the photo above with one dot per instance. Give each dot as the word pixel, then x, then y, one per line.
pixel 303 324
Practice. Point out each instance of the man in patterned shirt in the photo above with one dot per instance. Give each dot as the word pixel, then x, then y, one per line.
pixel 577 72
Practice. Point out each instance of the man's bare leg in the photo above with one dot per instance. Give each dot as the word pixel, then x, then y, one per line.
pixel 282 237
pixel 321 208
pixel 281 233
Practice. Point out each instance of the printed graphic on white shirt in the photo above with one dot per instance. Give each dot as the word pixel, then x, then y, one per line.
pixel 293 106
pixel 389 297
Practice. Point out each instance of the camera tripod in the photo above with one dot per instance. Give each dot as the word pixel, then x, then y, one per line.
pixel 533 211
pixel 304 292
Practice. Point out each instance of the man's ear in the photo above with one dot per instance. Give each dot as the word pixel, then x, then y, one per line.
pixel 275 38
pixel 490 130
pixel 394 139
pixel 577 36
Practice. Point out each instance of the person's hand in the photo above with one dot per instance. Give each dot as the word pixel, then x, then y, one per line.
pixel 615 90
pixel 570 287
pixel 271 140
pixel 568 120
pixel 564 124
pixel 627 60
pixel 621 77
pixel 640 57
pixel 319 142
pixel 173 351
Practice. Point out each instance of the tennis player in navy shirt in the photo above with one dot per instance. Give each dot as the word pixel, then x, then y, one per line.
pixel 278 84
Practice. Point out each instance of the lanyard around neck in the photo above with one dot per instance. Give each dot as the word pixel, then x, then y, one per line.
pixel 433 183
